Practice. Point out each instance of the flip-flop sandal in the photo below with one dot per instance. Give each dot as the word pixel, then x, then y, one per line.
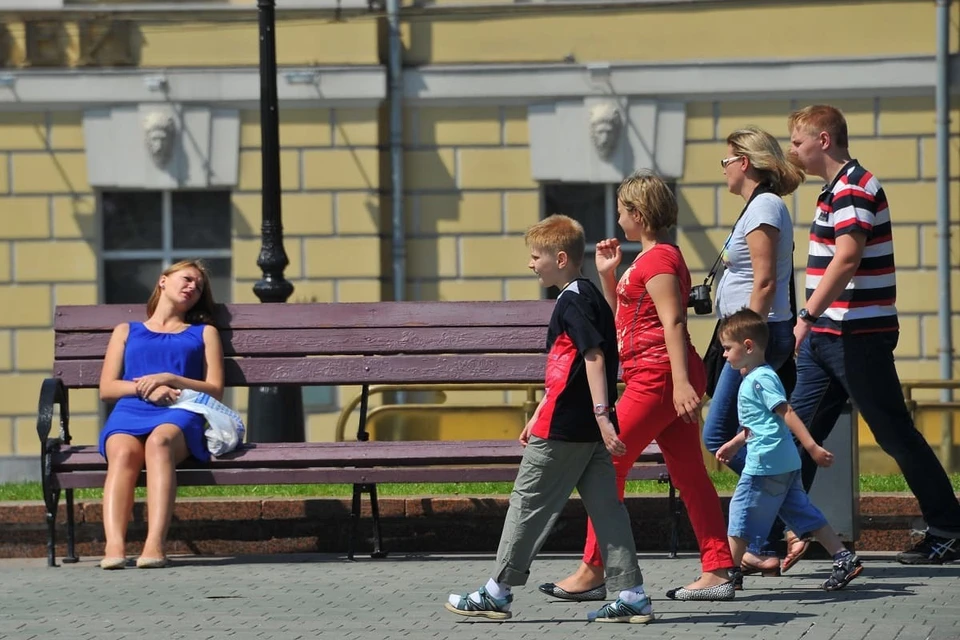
pixel 796 547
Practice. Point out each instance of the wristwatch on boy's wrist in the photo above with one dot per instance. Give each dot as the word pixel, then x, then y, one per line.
pixel 600 410
pixel 806 316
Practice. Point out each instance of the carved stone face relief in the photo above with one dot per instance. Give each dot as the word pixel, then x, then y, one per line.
pixel 159 131
pixel 606 124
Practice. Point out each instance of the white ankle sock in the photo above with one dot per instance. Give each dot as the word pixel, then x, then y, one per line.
pixel 633 595
pixel 496 589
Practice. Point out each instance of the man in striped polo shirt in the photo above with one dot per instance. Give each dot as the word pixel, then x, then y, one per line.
pixel 848 329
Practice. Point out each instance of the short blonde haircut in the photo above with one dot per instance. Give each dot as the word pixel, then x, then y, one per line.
pixel 767 159
pixel 646 193
pixel 821 117
pixel 558 233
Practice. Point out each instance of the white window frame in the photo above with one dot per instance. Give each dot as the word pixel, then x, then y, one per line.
pixel 610 213
pixel 610 218
pixel 166 253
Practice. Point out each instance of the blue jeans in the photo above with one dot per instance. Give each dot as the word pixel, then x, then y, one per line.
pixel 758 500
pixel 832 369
pixel 722 422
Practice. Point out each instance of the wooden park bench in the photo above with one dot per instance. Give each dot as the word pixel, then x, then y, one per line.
pixel 405 343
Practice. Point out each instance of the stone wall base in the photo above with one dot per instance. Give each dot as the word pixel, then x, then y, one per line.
pixel 412 524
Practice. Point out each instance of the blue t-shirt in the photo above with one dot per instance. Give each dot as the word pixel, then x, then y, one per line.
pixel 770 446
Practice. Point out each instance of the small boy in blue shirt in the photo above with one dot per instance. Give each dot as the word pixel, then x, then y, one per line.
pixel 770 483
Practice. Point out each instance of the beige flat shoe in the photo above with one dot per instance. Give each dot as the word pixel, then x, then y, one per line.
pixel 151 563
pixel 112 564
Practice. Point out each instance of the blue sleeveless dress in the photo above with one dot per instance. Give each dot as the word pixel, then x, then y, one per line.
pixel 148 352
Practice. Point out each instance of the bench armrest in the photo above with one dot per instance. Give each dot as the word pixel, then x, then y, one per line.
pixel 53 392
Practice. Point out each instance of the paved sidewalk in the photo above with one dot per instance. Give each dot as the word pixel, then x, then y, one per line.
pixel 323 596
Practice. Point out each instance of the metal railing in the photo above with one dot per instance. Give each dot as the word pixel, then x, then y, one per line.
pixel 947 407
pixel 528 406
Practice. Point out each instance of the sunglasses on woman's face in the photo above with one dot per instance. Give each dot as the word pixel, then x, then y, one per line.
pixel 726 161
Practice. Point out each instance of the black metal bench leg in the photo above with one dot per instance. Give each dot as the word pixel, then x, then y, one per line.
pixel 378 551
pixel 674 507
pixel 354 521
pixel 52 539
pixel 71 556
pixel 51 500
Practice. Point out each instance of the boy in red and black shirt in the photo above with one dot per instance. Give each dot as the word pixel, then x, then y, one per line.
pixel 582 321
pixel 568 441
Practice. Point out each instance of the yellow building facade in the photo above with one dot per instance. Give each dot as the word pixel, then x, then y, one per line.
pixel 497 101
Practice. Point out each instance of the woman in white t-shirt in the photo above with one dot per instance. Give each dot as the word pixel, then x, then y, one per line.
pixel 758 265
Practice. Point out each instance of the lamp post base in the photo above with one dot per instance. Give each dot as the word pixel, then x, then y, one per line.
pixel 275 414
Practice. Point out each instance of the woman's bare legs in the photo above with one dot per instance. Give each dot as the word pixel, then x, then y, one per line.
pixel 125 459
pixel 165 448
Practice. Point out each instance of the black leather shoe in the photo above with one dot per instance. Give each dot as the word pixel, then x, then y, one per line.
pixel 597 593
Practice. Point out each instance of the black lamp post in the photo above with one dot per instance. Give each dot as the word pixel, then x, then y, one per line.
pixel 275 413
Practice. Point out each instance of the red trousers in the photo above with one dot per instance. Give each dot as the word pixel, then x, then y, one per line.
pixel 646 413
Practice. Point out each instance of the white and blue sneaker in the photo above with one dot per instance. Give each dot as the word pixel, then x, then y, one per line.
pixel 640 612
pixel 932 550
pixel 487 607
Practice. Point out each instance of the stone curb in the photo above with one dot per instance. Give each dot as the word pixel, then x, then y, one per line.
pixel 213 526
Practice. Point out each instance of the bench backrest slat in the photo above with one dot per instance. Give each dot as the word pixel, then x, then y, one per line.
pixel 339 343
pixel 401 369
pixel 328 315
pixel 257 342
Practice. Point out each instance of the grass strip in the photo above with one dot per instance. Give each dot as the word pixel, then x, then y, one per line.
pixel 724 481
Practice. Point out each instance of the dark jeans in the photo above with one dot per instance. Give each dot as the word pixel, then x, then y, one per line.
pixel 831 369
pixel 722 423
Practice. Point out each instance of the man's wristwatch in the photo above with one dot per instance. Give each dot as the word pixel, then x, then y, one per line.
pixel 806 316
pixel 600 410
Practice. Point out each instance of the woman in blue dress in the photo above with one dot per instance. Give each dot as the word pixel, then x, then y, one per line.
pixel 144 369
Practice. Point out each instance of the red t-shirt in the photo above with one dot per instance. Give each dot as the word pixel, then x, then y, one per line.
pixel 639 331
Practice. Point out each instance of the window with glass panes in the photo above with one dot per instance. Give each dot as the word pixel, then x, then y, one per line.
pixel 144 232
pixel 595 207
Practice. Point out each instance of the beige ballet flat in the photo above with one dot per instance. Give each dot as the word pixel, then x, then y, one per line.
pixel 151 563
pixel 111 564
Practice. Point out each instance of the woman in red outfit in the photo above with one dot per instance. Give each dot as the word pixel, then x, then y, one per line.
pixel 665 382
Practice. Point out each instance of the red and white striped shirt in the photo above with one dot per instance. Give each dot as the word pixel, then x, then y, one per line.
pixel 855 201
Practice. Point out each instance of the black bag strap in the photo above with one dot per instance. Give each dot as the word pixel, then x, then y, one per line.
pixel 793 287
pixel 763 187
